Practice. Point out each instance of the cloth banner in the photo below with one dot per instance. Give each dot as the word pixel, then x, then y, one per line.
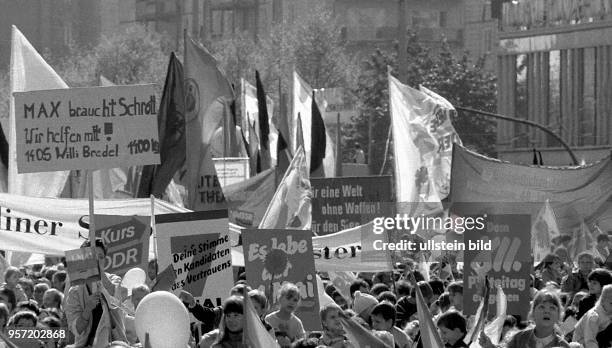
pixel 278 256
pixel 51 226
pixel 198 246
pixel 575 193
pixel 351 250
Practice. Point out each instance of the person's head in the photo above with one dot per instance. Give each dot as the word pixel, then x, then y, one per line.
pixel 509 324
pixel 382 278
pixel 452 327
pixel 546 309
pixel 605 300
pixel 48 274
pixel 49 312
pixel 403 288
pixel 578 297
pixel 378 288
pixel 552 261
pixel 586 262
pixel 357 146
pixel 100 250
pixel 260 302
pixel 152 269
pixel 50 322
pixel 289 297
pixel 388 296
pixel 383 316
pixel 59 280
pixel 306 343
pixel 425 290
pixel 240 290
pixel 565 240
pixel 339 299
pixel 603 240
pixel 27 306
pixel 39 291
pixel 437 286
pixel 359 285
pixel 11 276
pixel 330 319
pixel 23 319
pixel 7 296
pixel 363 305
pixel 444 302
pixel 4 315
pixel 28 286
pixel 233 313
pixel 455 292
pixel 598 278
pixel 52 298
pixel 138 293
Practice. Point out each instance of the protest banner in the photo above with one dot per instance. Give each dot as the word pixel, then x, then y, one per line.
pixel 127 242
pixel 575 193
pixel 51 226
pixel 86 128
pixel 342 203
pixel 231 170
pixel 198 247
pixel 507 262
pixel 82 266
pixel 274 257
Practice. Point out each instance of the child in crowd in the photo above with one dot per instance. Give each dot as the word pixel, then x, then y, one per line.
pixel 452 328
pixel 383 319
pixel 333 333
pixel 287 326
pixel 598 278
pixel 591 327
pixel 11 279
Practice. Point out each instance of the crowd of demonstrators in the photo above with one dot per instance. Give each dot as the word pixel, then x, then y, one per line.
pixel 571 306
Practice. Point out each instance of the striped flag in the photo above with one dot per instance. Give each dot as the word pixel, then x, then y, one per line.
pixel 481 315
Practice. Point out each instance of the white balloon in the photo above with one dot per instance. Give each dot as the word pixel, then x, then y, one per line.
pixel 132 278
pixel 165 318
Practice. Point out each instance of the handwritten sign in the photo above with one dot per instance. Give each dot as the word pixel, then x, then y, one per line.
pixel 86 128
pixel 343 203
pixel 82 266
pixel 273 257
pixel 231 170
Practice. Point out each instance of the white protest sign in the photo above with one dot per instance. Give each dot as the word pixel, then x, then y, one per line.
pixel 198 246
pixel 231 170
pixel 86 128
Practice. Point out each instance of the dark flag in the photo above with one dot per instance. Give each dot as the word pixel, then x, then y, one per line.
pixel 318 141
pixel 535 157
pixel 264 127
pixel 171 127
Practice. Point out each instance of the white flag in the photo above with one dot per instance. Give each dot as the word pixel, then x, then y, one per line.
pixel 543 231
pixel 30 72
pixel 422 137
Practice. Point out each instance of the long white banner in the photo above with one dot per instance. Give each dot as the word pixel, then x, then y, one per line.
pixel 51 226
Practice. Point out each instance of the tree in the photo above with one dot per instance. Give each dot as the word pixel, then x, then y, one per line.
pixel 133 55
pixel 457 79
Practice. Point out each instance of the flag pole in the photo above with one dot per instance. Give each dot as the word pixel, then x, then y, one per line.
pixel 153 229
pixel 338 148
pixel 92 223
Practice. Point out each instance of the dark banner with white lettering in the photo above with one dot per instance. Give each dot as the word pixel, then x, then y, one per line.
pixel 342 203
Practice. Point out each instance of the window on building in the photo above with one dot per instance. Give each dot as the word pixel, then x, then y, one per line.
pixel 521 135
pixel 443 19
pixel 553 120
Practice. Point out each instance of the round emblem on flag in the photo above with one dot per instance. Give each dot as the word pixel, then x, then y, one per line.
pixel 192 99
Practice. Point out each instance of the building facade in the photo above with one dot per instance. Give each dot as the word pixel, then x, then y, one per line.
pixel 555 68
pixel 51 25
